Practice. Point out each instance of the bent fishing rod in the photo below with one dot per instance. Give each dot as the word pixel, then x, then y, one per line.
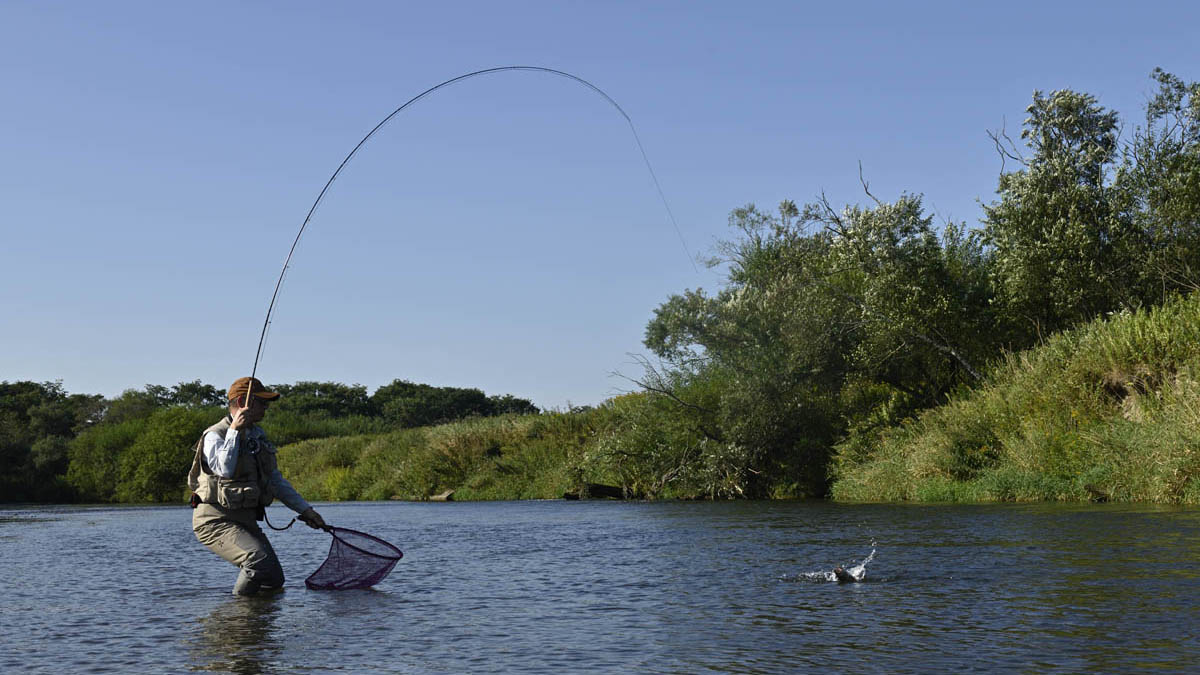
pixel 487 71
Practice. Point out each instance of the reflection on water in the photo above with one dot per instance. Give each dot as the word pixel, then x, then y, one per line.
pixel 237 637
pixel 618 587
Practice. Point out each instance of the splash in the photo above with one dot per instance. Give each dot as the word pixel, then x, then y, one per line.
pixel 859 571
pixel 856 572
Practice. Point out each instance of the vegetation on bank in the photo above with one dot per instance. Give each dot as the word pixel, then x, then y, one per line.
pixel 138 447
pixel 861 351
pixel 838 326
pixel 1108 411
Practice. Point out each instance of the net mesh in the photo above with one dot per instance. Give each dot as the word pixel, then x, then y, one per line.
pixel 356 560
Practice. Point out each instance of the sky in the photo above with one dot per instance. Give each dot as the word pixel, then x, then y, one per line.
pixel 503 233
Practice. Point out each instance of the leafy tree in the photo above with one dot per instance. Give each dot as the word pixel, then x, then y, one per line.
pixel 511 405
pixel 37 420
pixel 136 404
pixel 815 299
pixel 408 404
pixel 196 394
pixel 154 467
pixel 1063 241
pixel 327 399
pixel 1162 173
pixel 94 456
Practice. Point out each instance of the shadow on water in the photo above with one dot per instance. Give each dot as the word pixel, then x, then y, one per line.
pixel 238 636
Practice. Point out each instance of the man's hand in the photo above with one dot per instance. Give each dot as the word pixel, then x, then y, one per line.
pixel 313 519
pixel 240 418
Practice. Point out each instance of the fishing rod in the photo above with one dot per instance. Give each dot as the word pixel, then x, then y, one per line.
pixel 487 71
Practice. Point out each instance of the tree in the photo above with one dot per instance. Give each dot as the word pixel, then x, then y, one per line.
pixel 37 421
pixel 511 405
pixel 1063 241
pixel 154 467
pixel 408 404
pixel 815 301
pixel 1162 173
pixel 324 399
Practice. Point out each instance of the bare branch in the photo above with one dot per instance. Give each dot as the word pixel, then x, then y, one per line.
pixel 1001 139
pixel 867 186
pixel 656 385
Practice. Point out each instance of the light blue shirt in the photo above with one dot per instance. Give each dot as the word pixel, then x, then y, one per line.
pixel 221 453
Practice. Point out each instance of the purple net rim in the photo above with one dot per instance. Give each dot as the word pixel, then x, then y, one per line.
pixel 335 530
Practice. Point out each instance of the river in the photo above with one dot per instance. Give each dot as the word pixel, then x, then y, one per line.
pixel 613 587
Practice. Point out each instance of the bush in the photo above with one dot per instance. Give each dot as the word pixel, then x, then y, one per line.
pixel 155 467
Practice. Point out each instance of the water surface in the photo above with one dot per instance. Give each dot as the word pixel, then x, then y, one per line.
pixel 617 587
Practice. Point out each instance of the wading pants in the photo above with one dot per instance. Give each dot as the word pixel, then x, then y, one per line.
pixel 234 535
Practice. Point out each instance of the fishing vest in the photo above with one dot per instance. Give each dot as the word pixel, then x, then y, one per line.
pixel 249 488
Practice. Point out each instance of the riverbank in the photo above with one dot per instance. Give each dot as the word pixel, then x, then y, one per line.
pixel 1105 412
pixel 506 457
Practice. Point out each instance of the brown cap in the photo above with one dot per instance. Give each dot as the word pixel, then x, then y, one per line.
pixel 244 385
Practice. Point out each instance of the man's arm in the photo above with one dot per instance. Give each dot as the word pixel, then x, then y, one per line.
pixel 221 452
pixel 286 493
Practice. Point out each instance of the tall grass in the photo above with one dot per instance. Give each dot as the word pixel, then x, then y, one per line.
pixel 1109 411
pixel 504 457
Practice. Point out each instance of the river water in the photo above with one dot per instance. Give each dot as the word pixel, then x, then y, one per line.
pixel 617 587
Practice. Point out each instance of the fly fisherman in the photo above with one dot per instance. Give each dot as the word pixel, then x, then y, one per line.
pixel 233 479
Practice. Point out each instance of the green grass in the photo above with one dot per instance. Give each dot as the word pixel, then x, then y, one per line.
pixel 505 457
pixel 1107 412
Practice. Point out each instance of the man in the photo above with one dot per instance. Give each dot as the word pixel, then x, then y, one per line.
pixel 233 479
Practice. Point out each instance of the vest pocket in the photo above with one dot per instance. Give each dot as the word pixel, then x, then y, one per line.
pixel 238 496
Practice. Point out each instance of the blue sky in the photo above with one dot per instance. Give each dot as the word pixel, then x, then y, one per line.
pixel 503 233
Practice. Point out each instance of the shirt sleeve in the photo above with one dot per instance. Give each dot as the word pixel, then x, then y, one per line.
pixel 221 452
pixel 286 493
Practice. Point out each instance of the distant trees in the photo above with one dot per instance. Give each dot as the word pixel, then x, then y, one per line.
pixel 327 399
pixel 37 423
pixel 138 445
pixel 407 404
pixel 831 325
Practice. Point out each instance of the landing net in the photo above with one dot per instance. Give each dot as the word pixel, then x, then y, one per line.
pixel 356 560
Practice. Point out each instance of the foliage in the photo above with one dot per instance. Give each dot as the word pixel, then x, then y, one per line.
pixel 406 404
pixel 816 299
pixel 37 421
pixel 1103 412
pixel 154 467
pixel 865 345
pixel 1162 174
pixel 138 446
pixel 1064 244
pixel 322 399
pixel 94 456
pixel 503 457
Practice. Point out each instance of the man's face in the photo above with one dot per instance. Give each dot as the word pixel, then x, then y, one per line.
pixel 257 409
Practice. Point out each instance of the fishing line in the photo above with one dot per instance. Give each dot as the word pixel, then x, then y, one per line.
pixel 271 307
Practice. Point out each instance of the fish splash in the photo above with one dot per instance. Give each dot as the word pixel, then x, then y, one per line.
pixel 852 573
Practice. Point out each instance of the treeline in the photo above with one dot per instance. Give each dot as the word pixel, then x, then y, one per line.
pixel 137 447
pixel 834 325
pixel 834 329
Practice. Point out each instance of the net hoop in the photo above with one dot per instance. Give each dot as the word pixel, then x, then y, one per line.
pixel 335 530
pixel 353 566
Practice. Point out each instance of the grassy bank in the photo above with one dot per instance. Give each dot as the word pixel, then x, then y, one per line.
pixel 1109 411
pixel 506 457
